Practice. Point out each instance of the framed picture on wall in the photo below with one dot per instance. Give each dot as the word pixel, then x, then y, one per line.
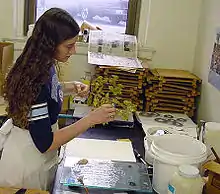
pixel 214 70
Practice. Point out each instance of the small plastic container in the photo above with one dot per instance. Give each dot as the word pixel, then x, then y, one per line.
pixel 169 152
pixel 186 181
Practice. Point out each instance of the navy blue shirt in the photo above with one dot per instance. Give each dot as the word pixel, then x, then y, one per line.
pixel 45 111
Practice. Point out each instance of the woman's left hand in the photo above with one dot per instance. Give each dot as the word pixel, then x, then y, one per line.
pixel 78 88
pixel 82 90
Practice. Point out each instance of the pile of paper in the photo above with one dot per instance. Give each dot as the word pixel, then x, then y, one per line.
pixel 170 90
pixel 112 49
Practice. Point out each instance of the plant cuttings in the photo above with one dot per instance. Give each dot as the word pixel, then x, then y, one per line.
pixel 106 90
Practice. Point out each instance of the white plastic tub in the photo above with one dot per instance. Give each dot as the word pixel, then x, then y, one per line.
pixel 212 136
pixel 149 139
pixel 171 151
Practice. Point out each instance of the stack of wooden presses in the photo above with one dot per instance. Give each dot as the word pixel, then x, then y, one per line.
pixel 170 90
pixel 133 82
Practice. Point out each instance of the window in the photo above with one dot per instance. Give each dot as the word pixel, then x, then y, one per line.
pixel 113 15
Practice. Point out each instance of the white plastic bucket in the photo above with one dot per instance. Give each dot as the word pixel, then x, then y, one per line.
pixel 148 140
pixel 212 137
pixel 171 151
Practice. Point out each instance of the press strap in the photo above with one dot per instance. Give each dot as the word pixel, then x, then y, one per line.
pixel 4 132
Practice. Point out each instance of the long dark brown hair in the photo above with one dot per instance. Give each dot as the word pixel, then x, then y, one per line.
pixel 31 70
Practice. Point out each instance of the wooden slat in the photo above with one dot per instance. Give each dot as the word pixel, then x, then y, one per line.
pixel 175 73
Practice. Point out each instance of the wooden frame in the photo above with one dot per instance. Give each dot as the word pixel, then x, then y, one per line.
pixel 29 14
pixel 134 10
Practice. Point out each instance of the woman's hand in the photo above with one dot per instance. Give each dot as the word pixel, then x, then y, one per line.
pixel 78 88
pixel 103 114
pixel 82 90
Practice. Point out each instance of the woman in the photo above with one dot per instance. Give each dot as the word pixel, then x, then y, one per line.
pixel 34 97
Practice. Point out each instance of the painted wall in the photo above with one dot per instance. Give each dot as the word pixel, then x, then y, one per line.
pixel 6 18
pixel 78 65
pixel 210 19
pixel 172 32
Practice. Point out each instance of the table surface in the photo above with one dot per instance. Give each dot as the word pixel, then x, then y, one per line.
pixel 135 134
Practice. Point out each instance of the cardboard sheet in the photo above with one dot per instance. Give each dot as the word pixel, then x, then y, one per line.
pixel 29 191
pixel 2 110
pixel 100 149
pixel 6 56
pixel 6 61
pixel 175 73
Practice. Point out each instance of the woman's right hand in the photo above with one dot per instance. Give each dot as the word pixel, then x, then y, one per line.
pixel 103 114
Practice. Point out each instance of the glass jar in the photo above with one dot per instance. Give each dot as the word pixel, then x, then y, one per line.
pixel 186 180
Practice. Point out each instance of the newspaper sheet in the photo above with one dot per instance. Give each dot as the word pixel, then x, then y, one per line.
pixel 112 49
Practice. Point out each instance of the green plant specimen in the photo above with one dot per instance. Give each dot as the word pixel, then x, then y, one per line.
pixel 107 91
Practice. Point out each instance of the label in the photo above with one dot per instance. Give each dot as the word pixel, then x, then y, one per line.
pixel 171 189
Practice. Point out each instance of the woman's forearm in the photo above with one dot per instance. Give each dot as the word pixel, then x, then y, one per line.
pixel 66 134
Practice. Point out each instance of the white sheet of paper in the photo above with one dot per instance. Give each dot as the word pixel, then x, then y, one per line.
pixel 100 149
pixel 189 127
pixel 73 192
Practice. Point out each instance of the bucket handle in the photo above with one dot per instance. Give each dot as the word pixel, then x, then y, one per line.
pixel 155 157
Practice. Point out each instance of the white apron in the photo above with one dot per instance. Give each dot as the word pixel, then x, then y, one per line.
pixel 21 164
